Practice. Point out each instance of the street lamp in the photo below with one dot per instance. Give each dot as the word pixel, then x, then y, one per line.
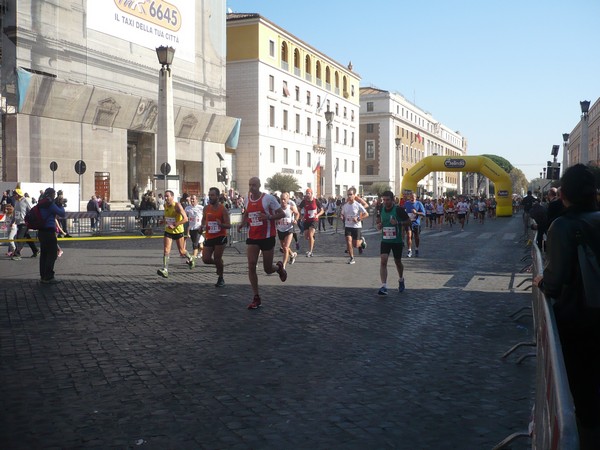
pixel 584 152
pixel 165 138
pixel 329 169
pixel 398 141
pixel 565 161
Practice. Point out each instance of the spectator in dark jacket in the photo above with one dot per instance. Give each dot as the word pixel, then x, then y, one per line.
pixel 94 207
pixel 47 235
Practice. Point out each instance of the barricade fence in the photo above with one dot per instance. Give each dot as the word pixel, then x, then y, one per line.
pixel 554 424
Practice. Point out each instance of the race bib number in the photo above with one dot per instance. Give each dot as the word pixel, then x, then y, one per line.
pixel 213 226
pixel 255 220
pixel 170 220
pixel 412 216
pixel 312 213
pixel 285 221
pixel 389 233
pixel 350 221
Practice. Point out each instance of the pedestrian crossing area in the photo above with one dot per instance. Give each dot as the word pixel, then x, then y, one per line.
pixel 451 233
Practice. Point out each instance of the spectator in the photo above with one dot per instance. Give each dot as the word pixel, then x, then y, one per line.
pixel 93 207
pixel 22 207
pixel 578 325
pixel 47 235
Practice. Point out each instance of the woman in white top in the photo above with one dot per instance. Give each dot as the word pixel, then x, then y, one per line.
pixel 285 228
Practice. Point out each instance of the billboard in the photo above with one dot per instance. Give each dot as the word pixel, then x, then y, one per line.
pixel 149 23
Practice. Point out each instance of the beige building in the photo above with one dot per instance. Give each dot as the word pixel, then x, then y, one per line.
pixel 395 135
pixel 281 88
pixel 574 144
pixel 79 81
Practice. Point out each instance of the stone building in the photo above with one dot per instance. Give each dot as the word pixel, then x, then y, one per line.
pixel 79 82
pixel 281 88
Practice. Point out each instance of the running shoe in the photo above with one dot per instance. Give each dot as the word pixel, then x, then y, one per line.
pixel 35 254
pixel 293 258
pixel 409 253
pixel 309 254
pixel 16 258
pixel 401 286
pixel 382 291
pixel 163 273
pixel 60 253
pixel 351 261
pixel 281 271
pixel 220 282
pixel 191 263
pixel 255 303
pixel 364 244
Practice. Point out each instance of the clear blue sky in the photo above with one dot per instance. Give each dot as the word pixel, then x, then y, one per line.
pixel 509 75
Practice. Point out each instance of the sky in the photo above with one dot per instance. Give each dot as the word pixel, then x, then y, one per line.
pixel 507 74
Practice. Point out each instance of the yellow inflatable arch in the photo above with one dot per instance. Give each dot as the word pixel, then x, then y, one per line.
pixel 481 164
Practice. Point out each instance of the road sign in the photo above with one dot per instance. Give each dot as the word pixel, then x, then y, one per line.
pixel 80 167
pixel 53 166
pixel 165 168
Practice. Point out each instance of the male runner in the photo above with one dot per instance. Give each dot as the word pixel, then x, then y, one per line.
pixel 215 222
pixel 312 211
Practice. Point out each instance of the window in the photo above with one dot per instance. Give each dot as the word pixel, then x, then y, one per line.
pixel 369 170
pixel 272 153
pixel 337 135
pixel 319 130
pixel 345 165
pixel 369 106
pixel 308 123
pixel 271 83
pixel 297 123
pixel 285 119
pixel 308 97
pixel 308 160
pixel 352 166
pixel 352 115
pixel 297 94
pixel 370 150
pixel 337 164
pixel 352 141
pixel 345 137
pixel 345 112
pixel 272 49
pixel 318 101
pixel 286 92
pixel 298 158
pixel 272 116
pixel 285 156
pixel 370 127
pixel 337 110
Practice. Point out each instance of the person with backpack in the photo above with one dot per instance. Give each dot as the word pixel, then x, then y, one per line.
pixel 49 210
pixel 22 207
pixel 577 317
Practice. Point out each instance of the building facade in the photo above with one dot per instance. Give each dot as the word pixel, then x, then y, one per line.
pixel 281 88
pixel 395 135
pixel 591 121
pixel 79 82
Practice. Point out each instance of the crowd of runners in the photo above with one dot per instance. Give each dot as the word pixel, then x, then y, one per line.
pixel 274 224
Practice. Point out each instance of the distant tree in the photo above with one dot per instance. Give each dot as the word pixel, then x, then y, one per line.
pixel 519 181
pixel 501 162
pixel 282 182
pixel 378 189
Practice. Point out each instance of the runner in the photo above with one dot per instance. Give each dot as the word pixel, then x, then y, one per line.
pixel 481 210
pixel 439 212
pixel 353 213
pixel 215 222
pixel 429 214
pixel 285 228
pixel 312 211
pixel 390 222
pixel 175 217
pixel 415 210
pixel 194 213
pixel 261 212
pixel 463 211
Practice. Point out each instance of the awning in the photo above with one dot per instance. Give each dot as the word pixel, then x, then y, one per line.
pixel 43 96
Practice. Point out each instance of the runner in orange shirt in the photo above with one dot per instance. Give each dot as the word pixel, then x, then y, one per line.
pixel 215 222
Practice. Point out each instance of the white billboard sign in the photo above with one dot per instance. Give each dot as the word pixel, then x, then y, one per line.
pixel 149 23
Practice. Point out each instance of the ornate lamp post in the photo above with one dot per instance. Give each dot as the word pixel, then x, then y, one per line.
pixel 329 169
pixel 398 141
pixel 565 161
pixel 165 144
pixel 584 157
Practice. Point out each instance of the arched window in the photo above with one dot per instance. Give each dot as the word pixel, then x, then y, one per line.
pixel 285 56
pixel 307 65
pixel 328 77
pixel 345 87
pixel 336 77
pixel 318 73
pixel 297 62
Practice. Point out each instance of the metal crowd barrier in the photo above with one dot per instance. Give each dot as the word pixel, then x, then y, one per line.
pixel 553 423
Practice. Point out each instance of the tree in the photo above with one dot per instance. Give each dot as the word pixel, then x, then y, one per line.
pixel 501 162
pixel 379 188
pixel 519 181
pixel 283 183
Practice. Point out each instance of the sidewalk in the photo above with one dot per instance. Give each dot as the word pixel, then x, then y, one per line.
pixel 117 357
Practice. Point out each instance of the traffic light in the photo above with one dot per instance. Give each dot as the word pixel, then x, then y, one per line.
pixel 225 174
pixel 553 171
pixel 220 175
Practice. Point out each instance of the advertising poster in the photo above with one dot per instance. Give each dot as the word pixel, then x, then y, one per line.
pixel 149 23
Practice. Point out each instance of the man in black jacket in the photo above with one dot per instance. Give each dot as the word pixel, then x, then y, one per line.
pixel 578 324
